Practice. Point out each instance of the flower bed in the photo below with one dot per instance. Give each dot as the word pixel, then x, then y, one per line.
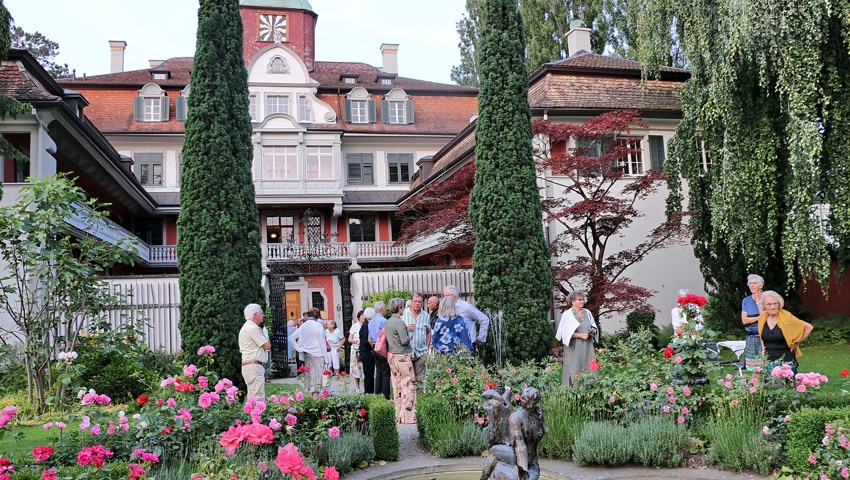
pixel 198 421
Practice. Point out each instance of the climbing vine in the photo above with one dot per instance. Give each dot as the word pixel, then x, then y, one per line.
pixel 764 142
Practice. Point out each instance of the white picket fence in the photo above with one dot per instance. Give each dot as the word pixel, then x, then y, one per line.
pixel 154 298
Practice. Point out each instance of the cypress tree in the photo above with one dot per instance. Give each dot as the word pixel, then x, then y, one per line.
pixel 511 260
pixel 219 247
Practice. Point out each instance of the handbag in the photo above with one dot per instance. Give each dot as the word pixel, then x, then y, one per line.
pixel 381 347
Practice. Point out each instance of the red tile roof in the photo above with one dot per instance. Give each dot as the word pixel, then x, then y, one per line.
pixel 566 91
pixel 439 109
pixel 595 61
pixel 17 83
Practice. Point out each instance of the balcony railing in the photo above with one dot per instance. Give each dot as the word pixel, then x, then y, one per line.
pixel 163 255
pixel 368 251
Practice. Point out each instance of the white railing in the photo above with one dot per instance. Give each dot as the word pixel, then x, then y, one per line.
pixel 380 250
pixel 334 251
pixel 163 254
pixel 105 229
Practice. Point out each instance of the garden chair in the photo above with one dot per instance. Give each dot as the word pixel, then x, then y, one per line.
pixel 737 363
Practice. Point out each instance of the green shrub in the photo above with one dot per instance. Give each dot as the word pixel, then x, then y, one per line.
pixel 453 439
pixel 12 370
pixel 736 441
pixel 347 451
pixel 430 411
pixel 805 431
pixel 826 399
pixel 382 428
pixel 387 295
pixel 565 417
pixel 26 409
pixel 657 441
pixel 640 320
pixel 541 375
pixel 460 378
pixel 602 443
pixel 832 329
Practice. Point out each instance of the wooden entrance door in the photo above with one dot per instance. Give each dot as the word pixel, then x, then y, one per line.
pixel 293 305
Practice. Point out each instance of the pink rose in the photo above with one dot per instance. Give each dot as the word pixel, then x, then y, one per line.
pixel 801 388
pixel 274 424
pixel 291 419
pixel 653 387
pixel 670 391
pixel 612 399
pixel 678 359
pixel 765 430
pixel 680 420
pixel 333 432
pixel 686 391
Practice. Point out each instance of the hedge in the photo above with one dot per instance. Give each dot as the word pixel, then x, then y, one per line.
pixel 805 431
pixel 382 427
pixel 443 432
pixel 827 399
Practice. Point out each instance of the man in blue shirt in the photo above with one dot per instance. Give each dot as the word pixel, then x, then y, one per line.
pixel 471 316
pixel 382 366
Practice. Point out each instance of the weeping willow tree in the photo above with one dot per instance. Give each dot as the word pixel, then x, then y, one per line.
pixel 764 142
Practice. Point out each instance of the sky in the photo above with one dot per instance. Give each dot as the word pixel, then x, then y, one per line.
pixel 347 30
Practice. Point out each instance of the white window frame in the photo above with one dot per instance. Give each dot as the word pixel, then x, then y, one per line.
pixel 252 107
pixel 397 113
pixel 280 163
pixel 305 110
pixel 279 100
pixel 153 109
pixel 359 111
pixel 320 163
pixel 350 80
pixel 633 164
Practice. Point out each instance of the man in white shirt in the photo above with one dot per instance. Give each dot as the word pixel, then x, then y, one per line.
pixel 471 316
pixel 253 345
pixel 309 339
pixel 678 316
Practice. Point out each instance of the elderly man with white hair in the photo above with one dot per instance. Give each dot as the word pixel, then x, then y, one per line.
pixel 310 340
pixel 253 345
pixel 471 316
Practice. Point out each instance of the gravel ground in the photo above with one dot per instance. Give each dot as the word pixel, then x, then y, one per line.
pixel 409 446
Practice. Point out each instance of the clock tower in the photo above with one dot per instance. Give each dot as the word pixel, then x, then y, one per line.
pixel 292 23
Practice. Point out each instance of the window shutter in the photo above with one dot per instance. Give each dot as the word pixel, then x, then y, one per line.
pixel 180 104
pixel 408 110
pixel 348 110
pixel 370 105
pixel 385 111
pixel 367 162
pixel 656 152
pixel 164 101
pixel 139 108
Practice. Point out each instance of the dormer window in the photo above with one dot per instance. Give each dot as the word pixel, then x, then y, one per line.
pixel 386 81
pixel 348 77
pixel 277 65
pixel 350 80
pixel 151 105
pixel 160 76
pixel 359 106
pixel 181 104
pixel 271 25
pixel 397 108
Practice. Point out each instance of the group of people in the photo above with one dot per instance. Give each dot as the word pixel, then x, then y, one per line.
pixel 391 343
pixel 772 331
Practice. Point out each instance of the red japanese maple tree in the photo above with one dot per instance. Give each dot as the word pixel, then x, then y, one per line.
pixel 597 201
pixel 599 183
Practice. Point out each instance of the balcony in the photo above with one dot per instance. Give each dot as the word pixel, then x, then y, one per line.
pixel 360 251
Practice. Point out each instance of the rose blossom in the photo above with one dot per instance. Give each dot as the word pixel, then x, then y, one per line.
pixel 653 387
pixel 333 432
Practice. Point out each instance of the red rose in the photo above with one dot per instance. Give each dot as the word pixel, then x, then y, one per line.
pixel 160 402
pixel 362 412
pixel 668 352
pixel 324 417
pixel 594 366
pixel 143 399
pixel 844 373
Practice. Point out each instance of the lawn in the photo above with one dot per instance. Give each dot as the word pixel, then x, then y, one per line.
pixel 828 360
pixel 24 439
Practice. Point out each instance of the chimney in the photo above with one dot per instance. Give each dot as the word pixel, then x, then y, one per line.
pixel 389 56
pixel 155 63
pixel 425 164
pixel 578 38
pixel 117 47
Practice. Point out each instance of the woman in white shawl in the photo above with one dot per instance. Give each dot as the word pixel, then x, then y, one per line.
pixel 577 331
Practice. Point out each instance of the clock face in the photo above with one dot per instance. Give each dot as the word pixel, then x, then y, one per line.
pixel 271 24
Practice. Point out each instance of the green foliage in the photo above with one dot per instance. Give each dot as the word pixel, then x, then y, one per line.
pixel 43 49
pixel 778 121
pixel 652 441
pixel 805 432
pixel 830 330
pixel 565 418
pixel 387 295
pixel 347 451
pixel 640 320
pixel 545 376
pixel 447 435
pixel 736 441
pixel 602 443
pixel 382 427
pixel 658 442
pixel 827 399
pixel 469 30
pixel 219 250
pixel 460 378
pixel 511 258
pixel 12 370
pixel 53 279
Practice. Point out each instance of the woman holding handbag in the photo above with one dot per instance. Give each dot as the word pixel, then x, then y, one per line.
pixel 400 357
